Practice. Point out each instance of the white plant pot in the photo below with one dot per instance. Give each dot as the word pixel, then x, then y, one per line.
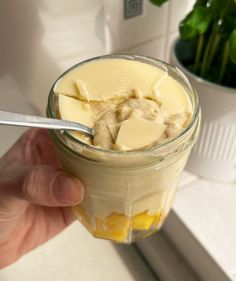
pixel 214 155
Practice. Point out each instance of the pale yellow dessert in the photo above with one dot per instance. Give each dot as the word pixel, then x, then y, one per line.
pixel 117 96
pixel 132 106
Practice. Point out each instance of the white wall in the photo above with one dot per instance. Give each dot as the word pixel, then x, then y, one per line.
pixel 150 33
pixel 41 38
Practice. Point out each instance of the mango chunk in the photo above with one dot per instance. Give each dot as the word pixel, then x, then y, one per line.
pixel 142 221
pixel 114 227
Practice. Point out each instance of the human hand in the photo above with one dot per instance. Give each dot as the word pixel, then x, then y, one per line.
pixel 34 196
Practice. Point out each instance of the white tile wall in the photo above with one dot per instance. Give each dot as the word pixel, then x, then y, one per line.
pixel 125 33
pixel 169 41
pixel 178 9
pixel 154 48
pixel 144 33
pixel 79 32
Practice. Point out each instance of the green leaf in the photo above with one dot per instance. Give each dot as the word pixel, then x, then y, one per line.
pixel 232 46
pixel 158 2
pixel 196 23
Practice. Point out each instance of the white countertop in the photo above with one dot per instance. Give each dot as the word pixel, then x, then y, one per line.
pixel 202 226
pixel 75 255
pixel 208 210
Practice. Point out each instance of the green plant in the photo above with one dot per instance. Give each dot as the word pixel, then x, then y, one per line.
pixel 210 29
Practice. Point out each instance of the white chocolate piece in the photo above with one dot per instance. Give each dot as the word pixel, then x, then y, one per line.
pixel 66 86
pixel 82 90
pixel 137 132
pixel 74 110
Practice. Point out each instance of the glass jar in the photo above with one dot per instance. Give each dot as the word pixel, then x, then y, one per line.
pixel 128 194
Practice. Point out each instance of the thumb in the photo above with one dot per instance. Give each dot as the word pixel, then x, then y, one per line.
pixel 46 185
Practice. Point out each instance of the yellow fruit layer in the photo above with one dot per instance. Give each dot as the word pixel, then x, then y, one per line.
pixel 116 226
pixel 144 221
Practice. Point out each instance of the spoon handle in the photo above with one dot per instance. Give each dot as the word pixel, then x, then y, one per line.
pixel 25 120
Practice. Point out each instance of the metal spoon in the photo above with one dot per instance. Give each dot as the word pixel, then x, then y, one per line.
pixel 25 120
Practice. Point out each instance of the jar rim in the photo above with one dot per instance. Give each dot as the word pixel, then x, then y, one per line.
pixel 149 151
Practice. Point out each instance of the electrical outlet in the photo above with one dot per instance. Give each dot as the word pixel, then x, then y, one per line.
pixel 132 8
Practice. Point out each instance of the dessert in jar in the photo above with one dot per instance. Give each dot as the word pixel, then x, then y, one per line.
pixel 146 118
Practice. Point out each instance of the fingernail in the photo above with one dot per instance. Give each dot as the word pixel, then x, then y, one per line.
pixel 68 190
